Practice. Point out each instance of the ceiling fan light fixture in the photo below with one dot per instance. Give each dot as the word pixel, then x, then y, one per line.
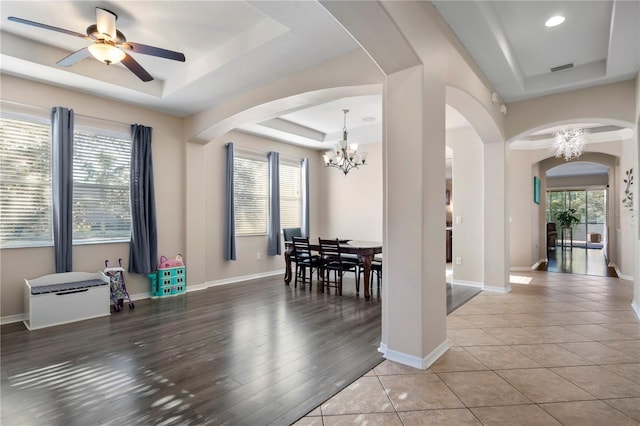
pixel 107 53
pixel 554 21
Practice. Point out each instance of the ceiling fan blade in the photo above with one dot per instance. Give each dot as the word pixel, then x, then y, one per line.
pixel 75 57
pixel 153 51
pixel 106 22
pixel 46 27
pixel 136 68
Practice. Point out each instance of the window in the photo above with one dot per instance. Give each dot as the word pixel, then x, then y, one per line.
pixel 251 189
pixel 251 195
pixel 290 196
pixel 101 210
pixel 25 182
pixel 590 205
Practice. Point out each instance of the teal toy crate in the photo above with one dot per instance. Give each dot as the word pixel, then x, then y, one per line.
pixel 168 282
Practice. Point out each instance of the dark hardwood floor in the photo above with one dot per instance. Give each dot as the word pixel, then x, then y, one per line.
pixel 578 261
pixel 254 353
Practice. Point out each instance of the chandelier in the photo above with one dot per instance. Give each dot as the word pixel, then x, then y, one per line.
pixel 568 143
pixel 345 156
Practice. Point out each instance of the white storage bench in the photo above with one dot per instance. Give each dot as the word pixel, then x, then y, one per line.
pixel 66 297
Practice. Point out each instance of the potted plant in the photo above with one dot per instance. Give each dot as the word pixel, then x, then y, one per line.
pixel 567 218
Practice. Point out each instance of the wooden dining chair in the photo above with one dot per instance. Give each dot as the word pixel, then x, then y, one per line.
pixel 376 269
pixel 331 260
pixel 287 234
pixel 304 261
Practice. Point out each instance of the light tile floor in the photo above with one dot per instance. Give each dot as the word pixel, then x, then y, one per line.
pixel 562 349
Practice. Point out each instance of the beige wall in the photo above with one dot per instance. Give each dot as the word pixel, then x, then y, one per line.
pixel 415 124
pixel 609 103
pixel 577 181
pixel 189 182
pixel 614 106
pixel 528 221
pixel 523 223
pixel 210 192
pixel 351 74
pixel 468 206
pixel 168 157
pixel 351 205
pixel 636 222
pixel 624 228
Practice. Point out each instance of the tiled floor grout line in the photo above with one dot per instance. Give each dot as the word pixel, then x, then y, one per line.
pixel 597 335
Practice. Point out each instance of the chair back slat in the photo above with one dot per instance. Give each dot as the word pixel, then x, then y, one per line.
pixel 301 247
pixel 330 251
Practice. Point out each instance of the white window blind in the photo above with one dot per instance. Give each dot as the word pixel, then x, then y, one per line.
pixel 101 210
pixel 25 183
pixel 290 196
pixel 251 188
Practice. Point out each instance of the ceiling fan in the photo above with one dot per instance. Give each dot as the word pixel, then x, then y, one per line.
pixel 109 44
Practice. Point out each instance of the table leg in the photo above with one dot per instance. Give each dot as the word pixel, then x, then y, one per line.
pixel 287 260
pixel 366 266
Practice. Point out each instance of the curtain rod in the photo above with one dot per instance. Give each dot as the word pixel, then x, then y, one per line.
pixel 264 153
pixel 48 111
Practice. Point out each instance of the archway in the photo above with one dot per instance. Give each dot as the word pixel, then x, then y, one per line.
pixel 584 189
pixel 611 146
pixel 481 186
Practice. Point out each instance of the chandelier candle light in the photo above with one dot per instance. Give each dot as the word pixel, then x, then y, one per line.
pixel 345 156
pixel 569 143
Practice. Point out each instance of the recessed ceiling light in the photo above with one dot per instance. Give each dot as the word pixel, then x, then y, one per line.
pixel 554 21
pixel 367 119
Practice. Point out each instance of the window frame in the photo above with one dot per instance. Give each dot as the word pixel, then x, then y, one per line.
pixel 298 166
pixel 250 156
pixel 39 120
pixel 245 156
pixel 88 129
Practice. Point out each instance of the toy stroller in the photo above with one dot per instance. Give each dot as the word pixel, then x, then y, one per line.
pixel 119 293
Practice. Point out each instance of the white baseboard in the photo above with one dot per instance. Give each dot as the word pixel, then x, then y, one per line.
pixel 232 280
pixel 414 361
pixel 494 289
pixel 528 268
pixel 12 318
pixel 145 295
pixel 619 272
pixel 467 283
pixel 140 296
pixel 636 308
pixel 382 348
pixel 482 286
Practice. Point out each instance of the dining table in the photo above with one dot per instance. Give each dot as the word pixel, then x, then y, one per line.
pixel 365 250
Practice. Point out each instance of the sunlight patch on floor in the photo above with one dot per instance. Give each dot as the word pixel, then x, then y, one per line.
pixel 519 279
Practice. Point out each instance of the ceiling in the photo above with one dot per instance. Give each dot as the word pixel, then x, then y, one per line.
pixel 516 51
pixel 226 41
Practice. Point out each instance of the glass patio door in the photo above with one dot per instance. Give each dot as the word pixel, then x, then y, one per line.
pixel 590 205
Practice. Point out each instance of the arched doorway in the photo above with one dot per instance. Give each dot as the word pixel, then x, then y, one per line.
pixel 579 188
pixel 598 173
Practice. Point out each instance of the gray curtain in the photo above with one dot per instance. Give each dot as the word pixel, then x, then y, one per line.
pixel 273 235
pixel 304 164
pixel 229 207
pixel 143 249
pixel 62 189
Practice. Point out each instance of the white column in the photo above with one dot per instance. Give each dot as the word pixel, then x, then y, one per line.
pixel 195 213
pixel 414 297
pixel 496 218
